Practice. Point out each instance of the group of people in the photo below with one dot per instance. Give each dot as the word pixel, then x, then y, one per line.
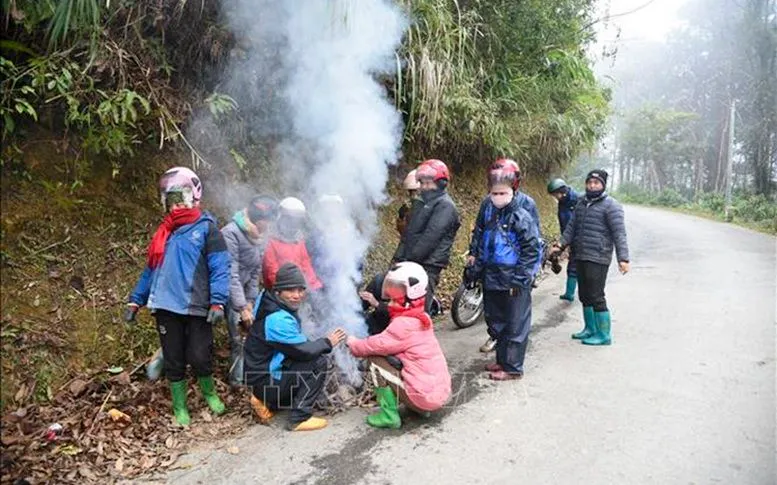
pixel 259 269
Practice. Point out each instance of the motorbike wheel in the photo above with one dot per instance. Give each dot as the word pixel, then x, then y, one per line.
pixel 467 306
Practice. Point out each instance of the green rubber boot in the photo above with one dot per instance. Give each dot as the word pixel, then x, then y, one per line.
pixel 571 287
pixel 590 324
pixel 602 335
pixel 208 389
pixel 388 416
pixel 178 390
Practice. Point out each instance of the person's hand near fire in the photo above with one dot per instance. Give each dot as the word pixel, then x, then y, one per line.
pixel 336 336
pixel 370 299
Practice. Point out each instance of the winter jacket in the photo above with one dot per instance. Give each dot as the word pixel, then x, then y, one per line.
pixel 274 340
pixel 424 368
pixel 506 246
pixel 194 273
pixel 246 266
pixel 566 208
pixel 527 203
pixel 279 252
pixel 430 232
pixel 597 226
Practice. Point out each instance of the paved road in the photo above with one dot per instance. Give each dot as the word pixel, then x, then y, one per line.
pixel 686 395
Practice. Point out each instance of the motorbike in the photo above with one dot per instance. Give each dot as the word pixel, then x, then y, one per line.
pixel 467 305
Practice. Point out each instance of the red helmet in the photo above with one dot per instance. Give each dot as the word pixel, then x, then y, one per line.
pixel 434 169
pixel 504 171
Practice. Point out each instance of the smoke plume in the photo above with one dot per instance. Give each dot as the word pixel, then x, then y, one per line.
pixel 308 81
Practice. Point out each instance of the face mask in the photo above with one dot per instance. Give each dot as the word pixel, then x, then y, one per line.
pixel 428 195
pixel 501 200
pixel 593 194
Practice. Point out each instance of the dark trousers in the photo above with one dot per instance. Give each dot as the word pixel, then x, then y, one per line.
pixel 509 321
pixel 572 266
pixel 298 389
pixel 433 273
pixel 591 278
pixel 185 340
pixel 235 347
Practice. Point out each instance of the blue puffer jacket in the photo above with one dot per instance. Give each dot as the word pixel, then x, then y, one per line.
pixel 506 246
pixel 194 273
pixel 566 208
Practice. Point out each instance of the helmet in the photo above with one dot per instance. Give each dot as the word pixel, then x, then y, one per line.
pixel 262 208
pixel 407 280
pixel 292 207
pixel 434 169
pixel 411 182
pixel 184 181
pixel 331 199
pixel 504 171
pixel 556 185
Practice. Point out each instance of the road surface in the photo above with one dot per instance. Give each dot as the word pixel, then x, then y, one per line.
pixel 685 395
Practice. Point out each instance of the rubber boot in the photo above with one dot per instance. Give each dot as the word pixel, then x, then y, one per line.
pixel 571 287
pixel 178 390
pixel 590 324
pixel 208 389
pixel 388 416
pixel 602 335
pixel 313 423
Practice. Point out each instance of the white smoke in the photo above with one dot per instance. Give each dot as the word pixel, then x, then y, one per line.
pixel 310 78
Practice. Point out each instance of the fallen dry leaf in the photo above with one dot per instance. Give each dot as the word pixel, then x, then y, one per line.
pixel 119 465
pixel 117 415
pixel 77 387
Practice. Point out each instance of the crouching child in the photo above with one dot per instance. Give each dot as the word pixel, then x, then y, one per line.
pixel 420 379
pixel 283 368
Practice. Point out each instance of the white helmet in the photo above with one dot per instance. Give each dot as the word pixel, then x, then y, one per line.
pixel 331 199
pixel 411 183
pixel 293 207
pixel 407 276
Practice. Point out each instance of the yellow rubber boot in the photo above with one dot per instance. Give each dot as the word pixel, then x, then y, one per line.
pixel 261 411
pixel 311 424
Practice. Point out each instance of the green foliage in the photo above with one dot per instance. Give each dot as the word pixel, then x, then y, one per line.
pixel 500 77
pixel 220 104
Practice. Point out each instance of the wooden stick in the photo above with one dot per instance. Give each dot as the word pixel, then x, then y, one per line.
pixel 94 421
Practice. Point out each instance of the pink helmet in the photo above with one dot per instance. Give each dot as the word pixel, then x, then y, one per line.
pixel 183 180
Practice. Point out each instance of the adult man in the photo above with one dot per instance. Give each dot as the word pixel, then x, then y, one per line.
pixel 567 200
pixel 526 203
pixel 504 256
pixel 597 226
pixel 245 236
pixel 283 367
pixel 432 227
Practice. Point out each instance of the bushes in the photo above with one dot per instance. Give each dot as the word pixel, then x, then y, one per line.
pixel 757 211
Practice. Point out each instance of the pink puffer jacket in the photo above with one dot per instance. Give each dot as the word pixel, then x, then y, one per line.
pixel 424 372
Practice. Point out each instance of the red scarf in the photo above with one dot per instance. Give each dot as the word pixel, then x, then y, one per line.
pixel 171 222
pixel 416 310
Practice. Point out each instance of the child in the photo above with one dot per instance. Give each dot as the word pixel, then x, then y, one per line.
pixel 423 383
pixel 185 285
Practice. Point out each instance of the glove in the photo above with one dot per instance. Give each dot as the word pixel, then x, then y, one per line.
pixel 470 277
pixel 215 314
pixel 131 312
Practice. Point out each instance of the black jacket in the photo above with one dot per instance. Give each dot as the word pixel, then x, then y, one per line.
pixel 430 232
pixel 596 227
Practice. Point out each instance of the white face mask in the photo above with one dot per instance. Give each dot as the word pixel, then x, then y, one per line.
pixel 501 200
